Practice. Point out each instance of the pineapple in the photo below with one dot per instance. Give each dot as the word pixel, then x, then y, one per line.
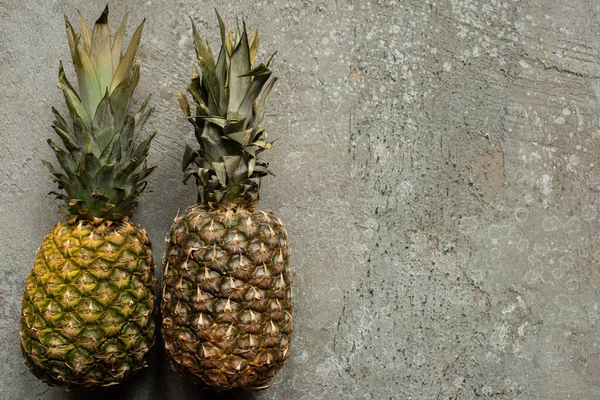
pixel 227 299
pixel 87 310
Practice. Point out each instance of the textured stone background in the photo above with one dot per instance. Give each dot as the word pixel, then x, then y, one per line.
pixel 438 176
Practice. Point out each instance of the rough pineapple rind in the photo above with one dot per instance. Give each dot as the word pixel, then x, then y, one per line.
pixel 227 298
pixel 86 316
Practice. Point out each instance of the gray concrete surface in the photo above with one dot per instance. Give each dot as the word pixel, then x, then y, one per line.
pixel 438 176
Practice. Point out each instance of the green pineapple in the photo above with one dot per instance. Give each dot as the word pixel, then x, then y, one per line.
pixel 87 310
pixel 227 302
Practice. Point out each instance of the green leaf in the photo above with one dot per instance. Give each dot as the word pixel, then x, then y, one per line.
pixel 138 157
pixel 88 166
pixel 238 82
pixel 88 82
pixel 270 58
pixel 61 178
pixel 127 61
pixel 103 127
pixel 120 98
pixel 206 61
pixel 66 138
pixel 261 75
pixel 73 40
pixel 251 165
pixel 64 159
pixel 212 142
pixel 242 137
pixel 101 54
pixel 260 113
pixel 253 46
pixel 72 98
pixel 117 44
pixel 251 150
pixel 189 155
pixel 235 124
pixel 141 117
pixel 262 69
pixel 202 51
pixel 85 32
pixel 104 177
pixel 219 121
pixel 184 104
pixel 231 164
pixel 265 145
pixel 221 172
pixel 221 69
pixel 202 109
pixel 115 148
pixel 64 132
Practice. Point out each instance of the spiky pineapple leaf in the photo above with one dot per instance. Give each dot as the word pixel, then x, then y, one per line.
pixel 101 54
pixel 238 81
pixel 260 74
pixel 206 61
pixel 253 46
pixel 103 126
pixel 121 95
pixel 103 168
pixel 85 32
pixel 78 112
pixel 89 87
pixel 260 108
pixel 117 44
pixel 127 60
pixel 225 164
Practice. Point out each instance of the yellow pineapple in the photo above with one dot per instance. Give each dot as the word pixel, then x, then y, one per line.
pixel 87 310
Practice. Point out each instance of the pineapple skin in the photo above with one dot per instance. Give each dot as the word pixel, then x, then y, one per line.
pixel 227 300
pixel 87 310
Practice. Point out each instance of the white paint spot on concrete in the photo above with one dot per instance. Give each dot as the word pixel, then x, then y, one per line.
pixel 528 199
pixel 183 42
pixel 535 262
pixel 551 224
pixel 572 284
pixel 495 253
pixel 295 161
pixel 405 189
pixel 521 214
pixel 499 231
pixel 492 357
pixel 523 245
pixel 563 301
pixel 574 160
pixel 468 224
pixel 567 261
pixel 541 248
pixel 573 225
pixel 532 277
pixel 558 273
pixel 546 184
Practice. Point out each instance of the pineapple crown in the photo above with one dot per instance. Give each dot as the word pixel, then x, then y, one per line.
pixel 226 123
pixel 103 170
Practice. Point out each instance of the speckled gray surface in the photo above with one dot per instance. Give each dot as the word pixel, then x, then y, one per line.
pixel 438 176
